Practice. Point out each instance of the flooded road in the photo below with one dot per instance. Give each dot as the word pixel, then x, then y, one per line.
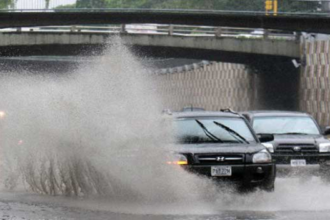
pixel 91 145
pixel 293 199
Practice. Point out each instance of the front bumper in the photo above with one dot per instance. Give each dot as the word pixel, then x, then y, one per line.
pixel 316 164
pixel 249 175
pixel 288 170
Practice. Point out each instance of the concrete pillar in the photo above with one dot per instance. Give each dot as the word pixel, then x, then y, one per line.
pixel 123 29
pixel 298 37
pixel 218 31
pixel 73 28
pixel 170 30
pixel 266 34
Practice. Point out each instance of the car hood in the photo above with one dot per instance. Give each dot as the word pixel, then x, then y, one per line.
pixel 219 148
pixel 300 139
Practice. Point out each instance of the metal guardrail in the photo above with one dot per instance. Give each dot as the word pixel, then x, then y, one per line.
pixel 171 30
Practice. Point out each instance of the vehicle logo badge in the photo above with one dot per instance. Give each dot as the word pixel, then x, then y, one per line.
pixel 297 149
pixel 222 159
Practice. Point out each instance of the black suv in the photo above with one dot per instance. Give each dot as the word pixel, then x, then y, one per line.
pixel 299 144
pixel 223 146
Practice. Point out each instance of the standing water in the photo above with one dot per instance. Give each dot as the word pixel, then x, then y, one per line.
pixel 98 132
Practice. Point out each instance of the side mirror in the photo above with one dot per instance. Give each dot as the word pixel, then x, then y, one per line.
pixel 266 137
pixel 327 130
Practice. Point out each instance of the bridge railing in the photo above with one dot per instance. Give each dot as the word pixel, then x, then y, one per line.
pixel 172 30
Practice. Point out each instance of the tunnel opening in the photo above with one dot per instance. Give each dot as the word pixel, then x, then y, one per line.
pixel 274 85
pixel 277 83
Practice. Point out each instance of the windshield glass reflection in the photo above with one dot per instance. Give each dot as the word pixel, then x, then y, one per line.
pixel 283 125
pixel 207 130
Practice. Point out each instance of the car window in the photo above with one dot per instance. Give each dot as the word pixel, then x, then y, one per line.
pixel 190 130
pixel 285 124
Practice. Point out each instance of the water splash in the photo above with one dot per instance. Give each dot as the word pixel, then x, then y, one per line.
pixel 96 131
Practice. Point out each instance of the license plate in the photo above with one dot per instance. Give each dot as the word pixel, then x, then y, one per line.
pixel 298 163
pixel 221 171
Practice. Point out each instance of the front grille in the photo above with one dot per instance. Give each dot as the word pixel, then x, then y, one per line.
pixel 218 159
pixel 291 149
pixel 286 159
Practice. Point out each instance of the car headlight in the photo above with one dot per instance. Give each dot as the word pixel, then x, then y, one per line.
pixel 324 147
pixel 178 159
pixel 269 146
pixel 262 157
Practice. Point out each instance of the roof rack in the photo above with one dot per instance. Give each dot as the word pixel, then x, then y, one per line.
pixel 192 109
pixel 229 110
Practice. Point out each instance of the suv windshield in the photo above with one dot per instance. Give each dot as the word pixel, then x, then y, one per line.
pixel 207 130
pixel 285 125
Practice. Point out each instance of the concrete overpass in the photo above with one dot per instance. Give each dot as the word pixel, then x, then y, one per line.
pixel 239 48
pixel 291 22
pixel 272 83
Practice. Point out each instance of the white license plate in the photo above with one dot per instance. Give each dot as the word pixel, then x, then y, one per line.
pixel 298 163
pixel 221 171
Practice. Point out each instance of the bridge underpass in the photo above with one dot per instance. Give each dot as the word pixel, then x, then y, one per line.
pixel 263 63
pixel 264 84
pixel 185 41
pixel 261 76
pixel 272 72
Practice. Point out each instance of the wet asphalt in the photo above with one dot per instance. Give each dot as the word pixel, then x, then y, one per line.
pixel 16 210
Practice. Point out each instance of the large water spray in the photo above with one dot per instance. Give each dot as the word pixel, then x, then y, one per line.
pixel 98 131
pixel 95 131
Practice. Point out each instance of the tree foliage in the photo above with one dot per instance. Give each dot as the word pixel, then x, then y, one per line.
pixel 6 4
pixel 233 5
pixel 70 6
pixel 91 4
pixel 227 5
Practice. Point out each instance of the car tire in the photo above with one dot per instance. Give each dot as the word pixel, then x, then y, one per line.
pixel 269 188
pixel 325 174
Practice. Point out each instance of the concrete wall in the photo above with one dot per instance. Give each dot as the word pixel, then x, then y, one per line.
pixel 218 85
pixel 315 80
pixel 288 48
pixel 224 85
pixel 213 86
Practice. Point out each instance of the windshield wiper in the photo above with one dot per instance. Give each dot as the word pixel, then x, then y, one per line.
pixel 232 133
pixel 208 133
pixel 293 133
pixel 264 134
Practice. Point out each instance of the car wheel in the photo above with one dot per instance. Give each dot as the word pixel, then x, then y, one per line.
pixel 269 188
pixel 325 174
